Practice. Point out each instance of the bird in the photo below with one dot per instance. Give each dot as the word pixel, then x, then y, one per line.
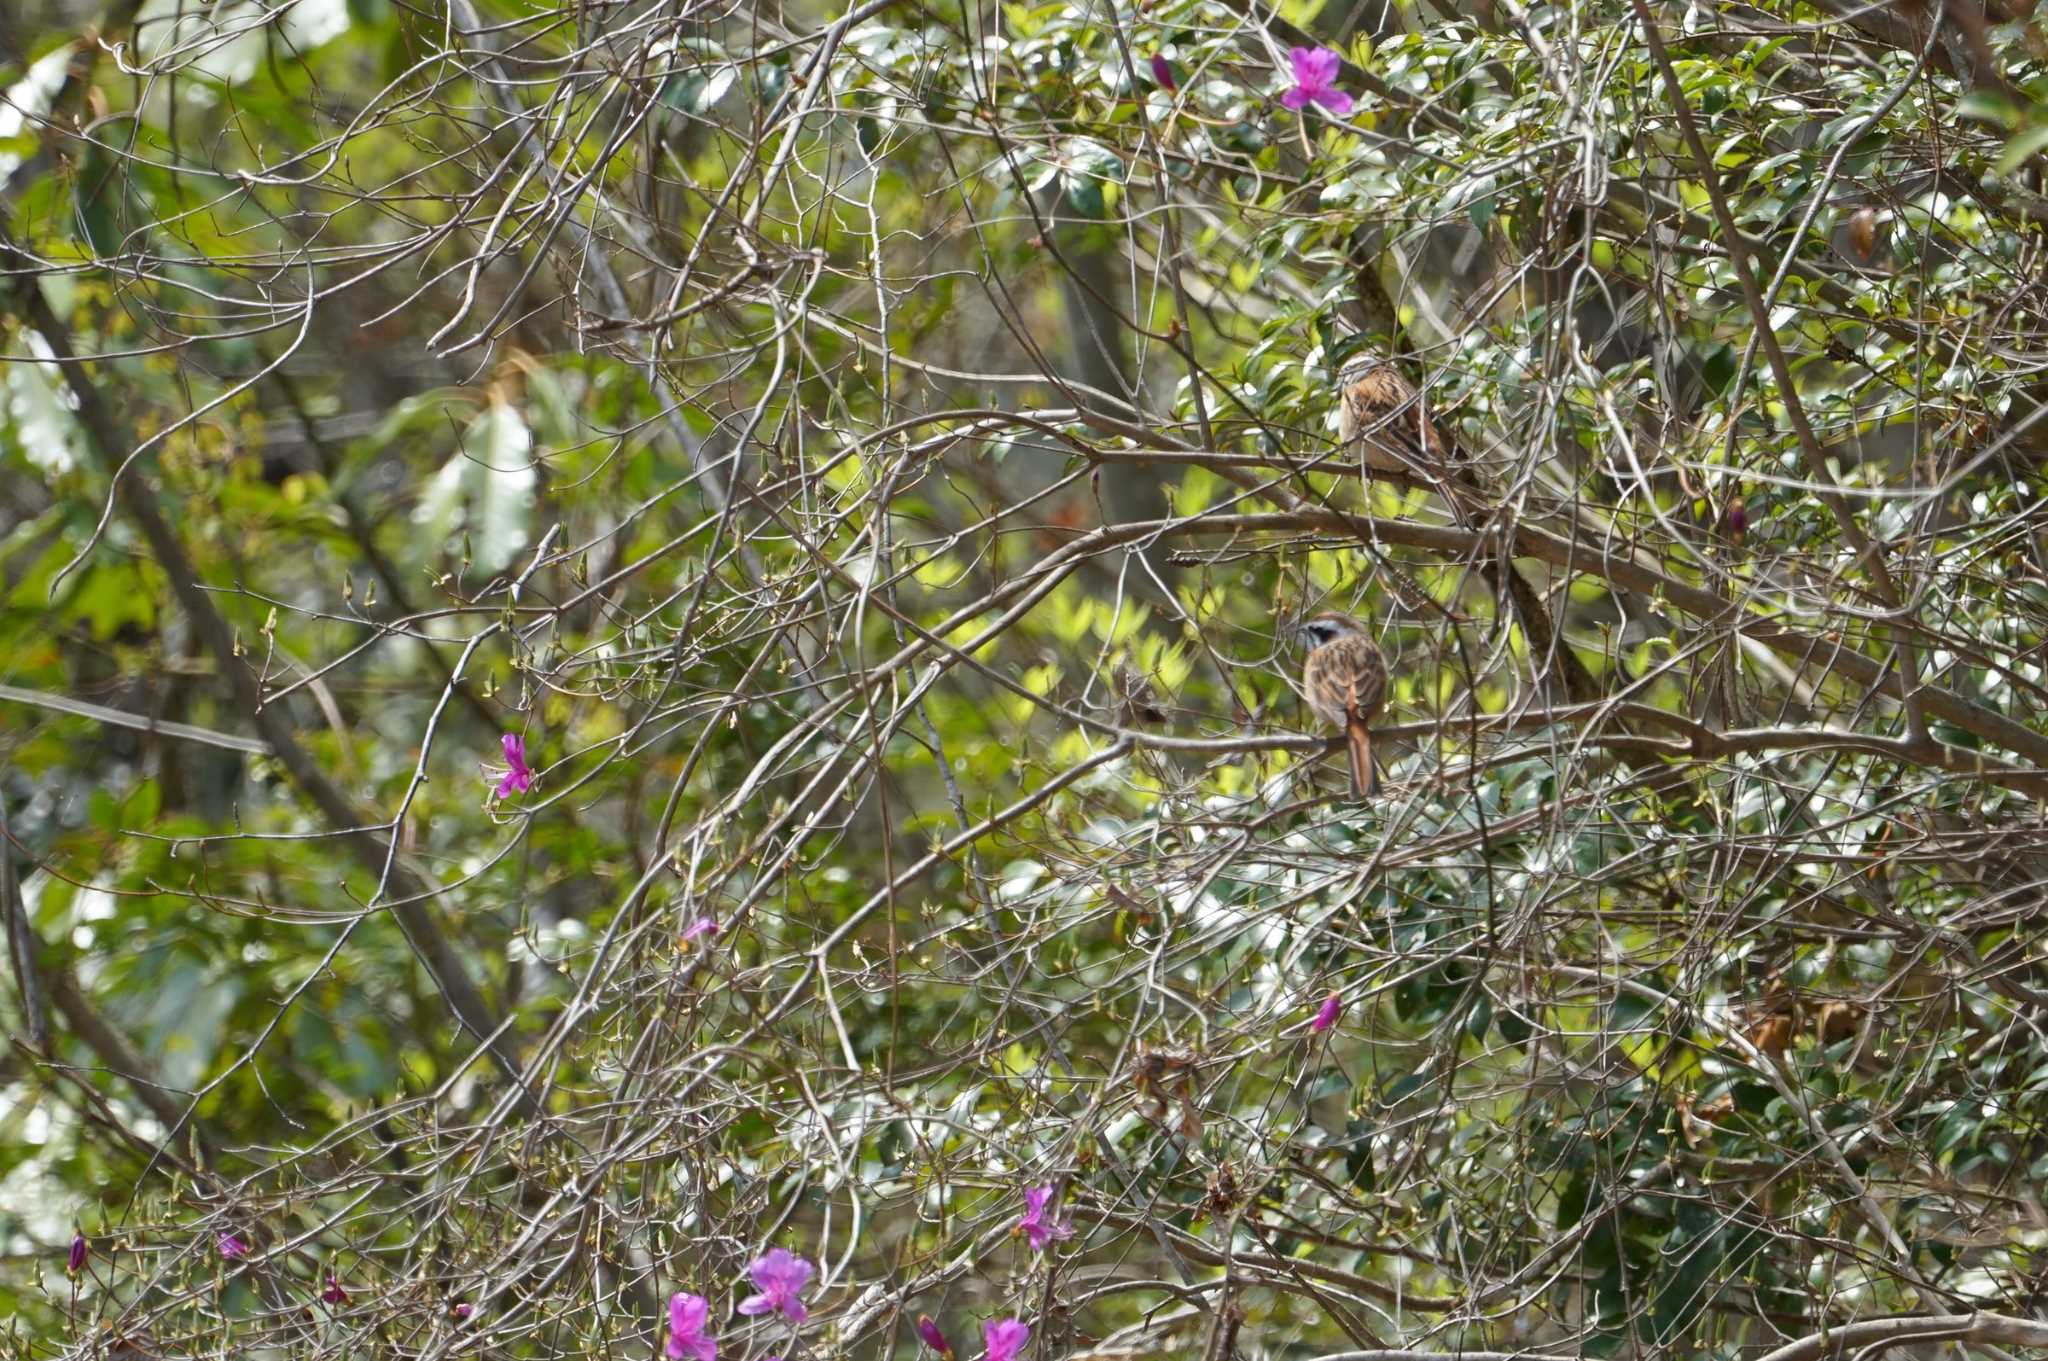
pixel 1344 680
pixel 1384 415
pixel 1382 412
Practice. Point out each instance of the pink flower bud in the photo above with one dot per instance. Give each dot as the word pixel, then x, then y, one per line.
pixel 1327 1014
pixel 1736 519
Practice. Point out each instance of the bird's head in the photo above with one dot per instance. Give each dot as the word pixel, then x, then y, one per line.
pixel 1327 627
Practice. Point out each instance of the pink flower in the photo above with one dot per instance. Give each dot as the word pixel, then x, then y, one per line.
pixel 518 777
pixel 1032 1223
pixel 1315 70
pixel 1162 71
pixel 333 1294
pixel 933 1338
pixel 75 1263
pixel 703 926
pixel 780 1276
pixel 231 1247
pixel 1005 1338
pixel 463 1311
pixel 687 1315
pixel 1326 1014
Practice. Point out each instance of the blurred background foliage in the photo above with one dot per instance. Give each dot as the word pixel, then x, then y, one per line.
pixel 871 459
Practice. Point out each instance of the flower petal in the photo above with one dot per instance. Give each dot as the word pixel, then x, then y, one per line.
pixel 1004 1338
pixel 1316 66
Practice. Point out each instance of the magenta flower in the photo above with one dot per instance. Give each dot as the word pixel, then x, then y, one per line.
pixel 518 777
pixel 231 1247
pixel 1162 71
pixel 463 1311
pixel 1005 1338
pixel 333 1294
pixel 703 926
pixel 1327 1014
pixel 933 1338
pixel 780 1276
pixel 1032 1224
pixel 75 1263
pixel 1315 70
pixel 687 1315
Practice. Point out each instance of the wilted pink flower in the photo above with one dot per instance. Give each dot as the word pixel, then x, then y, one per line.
pixel 518 777
pixel 463 1311
pixel 703 926
pixel 1162 71
pixel 781 1276
pixel 1005 1338
pixel 1315 70
pixel 231 1247
pixel 686 1318
pixel 333 1294
pixel 933 1338
pixel 1326 1014
pixel 75 1263
pixel 1736 519
pixel 1032 1224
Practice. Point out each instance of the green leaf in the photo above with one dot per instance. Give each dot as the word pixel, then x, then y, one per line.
pixel 97 191
pixel 1693 1256
pixel 36 409
pixel 1986 107
pixel 486 490
pixel 25 103
pixel 1358 1155
pixel 1480 1017
pixel 1329 1082
pixel 2022 149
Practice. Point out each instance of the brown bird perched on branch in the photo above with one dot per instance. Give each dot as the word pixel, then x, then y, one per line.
pixel 1386 417
pixel 1383 413
pixel 1344 680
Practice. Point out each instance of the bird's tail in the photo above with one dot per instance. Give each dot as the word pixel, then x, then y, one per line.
pixel 1359 739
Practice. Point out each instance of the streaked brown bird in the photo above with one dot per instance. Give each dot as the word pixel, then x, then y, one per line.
pixel 1344 680
pixel 1382 412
